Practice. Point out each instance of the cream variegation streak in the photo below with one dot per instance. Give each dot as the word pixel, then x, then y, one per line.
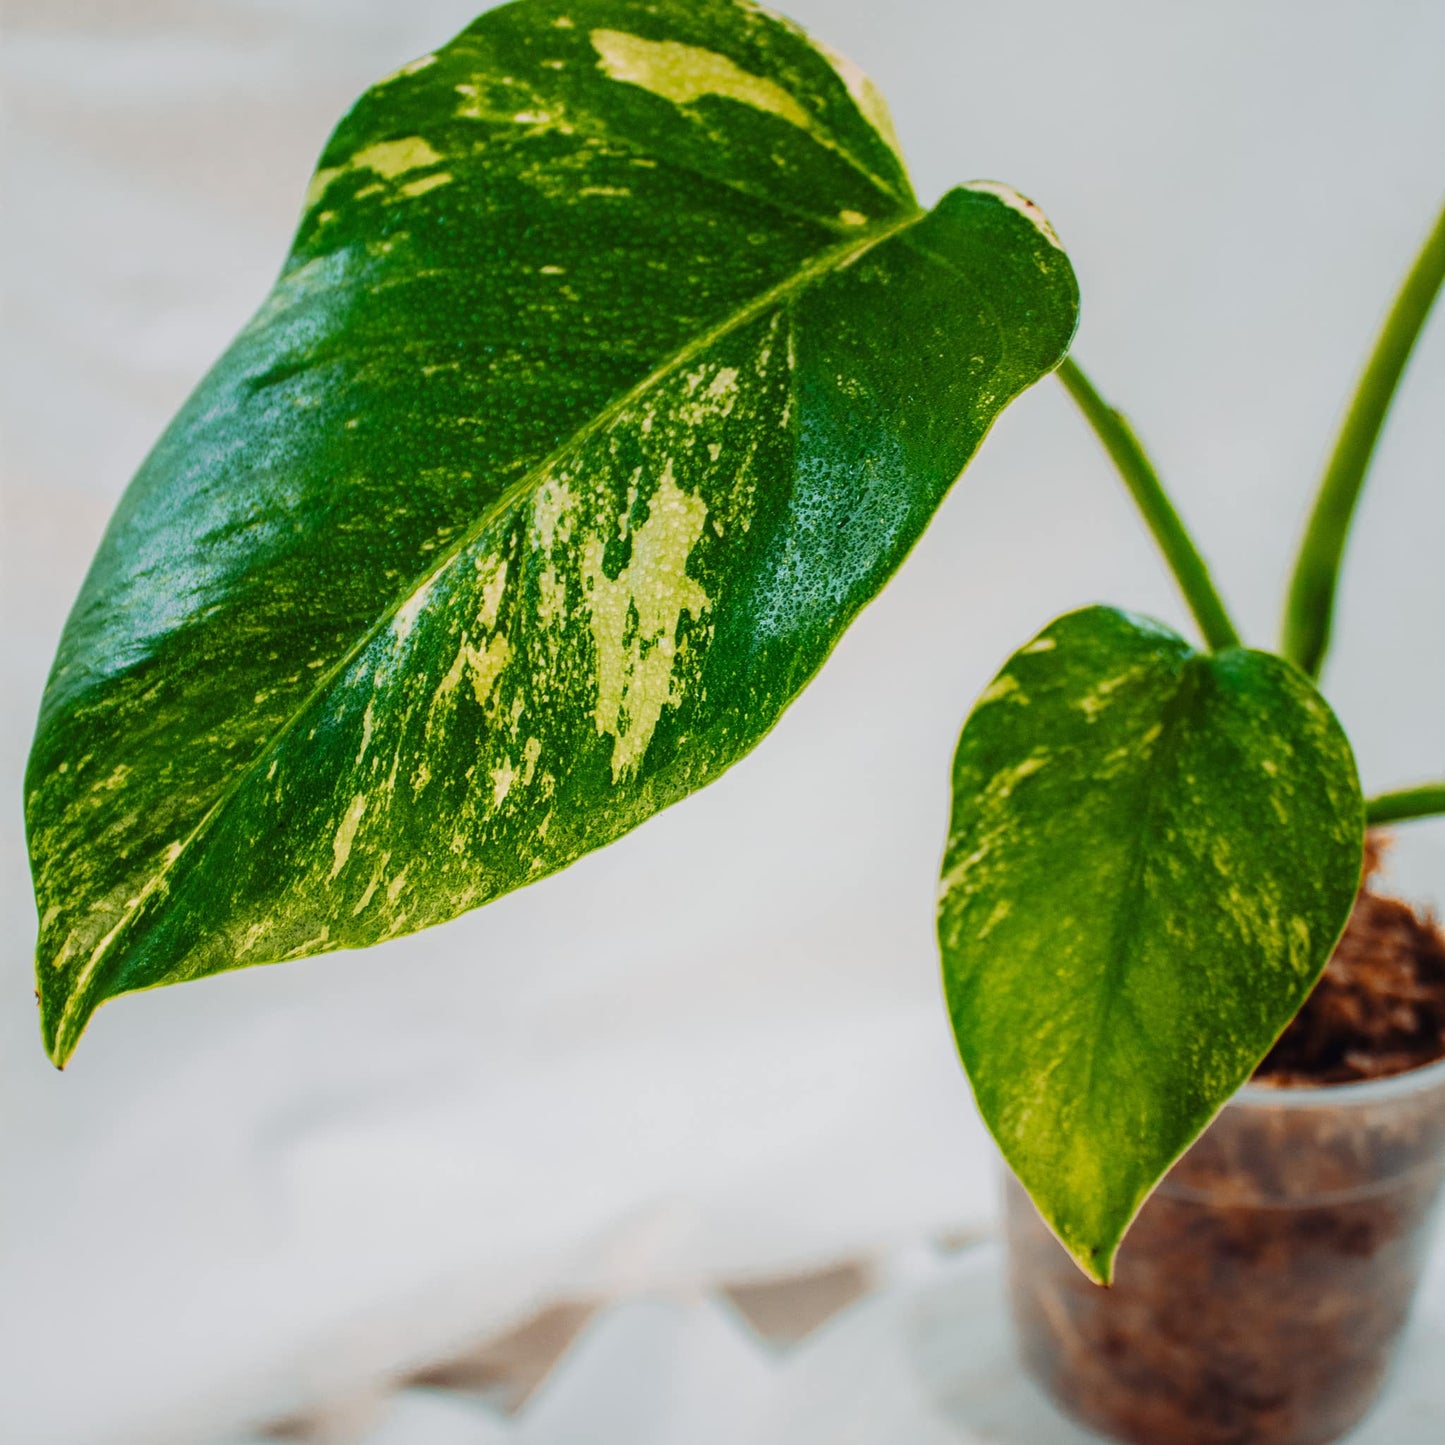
pixel 410 68
pixel 868 98
pixel 1025 207
pixel 345 833
pixel 684 74
pixel 319 182
pixel 427 183
pixel 393 158
pixel 387 159
pixel 635 617
pixel 600 390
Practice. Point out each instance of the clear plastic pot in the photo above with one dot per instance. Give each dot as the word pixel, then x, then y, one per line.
pixel 1261 1290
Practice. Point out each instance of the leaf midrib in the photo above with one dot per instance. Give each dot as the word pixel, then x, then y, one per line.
pixel 822 265
pixel 1121 929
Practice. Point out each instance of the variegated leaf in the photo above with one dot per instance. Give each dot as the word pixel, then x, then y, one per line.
pixel 1152 853
pixel 613 370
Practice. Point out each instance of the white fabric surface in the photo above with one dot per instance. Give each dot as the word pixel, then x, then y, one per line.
pixel 928 1361
pixel 717 1047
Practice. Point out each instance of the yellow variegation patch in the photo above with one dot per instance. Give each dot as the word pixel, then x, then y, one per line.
pixel 684 74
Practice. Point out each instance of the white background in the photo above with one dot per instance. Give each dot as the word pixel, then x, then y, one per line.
pixel 718 1046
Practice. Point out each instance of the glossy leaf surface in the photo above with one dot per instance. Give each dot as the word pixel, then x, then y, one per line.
pixel 613 370
pixel 1152 853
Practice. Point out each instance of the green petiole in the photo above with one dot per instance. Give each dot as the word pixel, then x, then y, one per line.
pixel 1129 456
pixel 1423 802
pixel 1309 611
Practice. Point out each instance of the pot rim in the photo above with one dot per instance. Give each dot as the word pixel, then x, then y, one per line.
pixel 1340 1096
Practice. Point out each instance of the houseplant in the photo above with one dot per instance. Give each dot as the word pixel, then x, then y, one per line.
pixel 205 797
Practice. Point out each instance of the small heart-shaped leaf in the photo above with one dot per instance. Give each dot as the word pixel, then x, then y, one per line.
pixel 1152 853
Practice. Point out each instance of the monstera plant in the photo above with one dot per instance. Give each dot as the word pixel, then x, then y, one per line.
pixel 613 369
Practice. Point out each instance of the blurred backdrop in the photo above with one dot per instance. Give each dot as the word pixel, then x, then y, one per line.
pixel 717 1048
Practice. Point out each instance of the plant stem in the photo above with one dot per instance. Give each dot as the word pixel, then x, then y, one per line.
pixel 1309 611
pixel 1422 802
pixel 1129 456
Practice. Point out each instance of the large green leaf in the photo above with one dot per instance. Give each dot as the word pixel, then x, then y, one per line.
pixel 613 370
pixel 1151 856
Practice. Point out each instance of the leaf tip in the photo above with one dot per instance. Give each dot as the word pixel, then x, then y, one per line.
pixel 1097 1263
pixel 63 1018
pixel 1092 1247
pixel 58 1046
